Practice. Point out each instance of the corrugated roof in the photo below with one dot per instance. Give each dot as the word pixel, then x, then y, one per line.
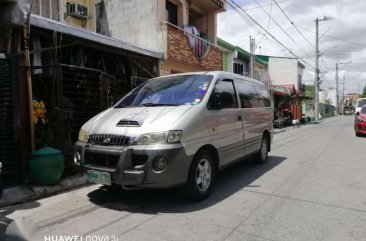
pixel 224 44
pixel 52 25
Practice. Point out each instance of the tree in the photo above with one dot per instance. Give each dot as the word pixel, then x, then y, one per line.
pixel 363 95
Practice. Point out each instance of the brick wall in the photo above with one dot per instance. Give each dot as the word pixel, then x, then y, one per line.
pixel 179 50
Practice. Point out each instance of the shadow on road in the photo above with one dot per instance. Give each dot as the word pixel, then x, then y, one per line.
pixel 152 201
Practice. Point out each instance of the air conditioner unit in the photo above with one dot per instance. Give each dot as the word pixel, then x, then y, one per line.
pixel 77 10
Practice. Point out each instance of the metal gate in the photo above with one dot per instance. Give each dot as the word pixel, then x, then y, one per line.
pixel 64 98
pixel 10 166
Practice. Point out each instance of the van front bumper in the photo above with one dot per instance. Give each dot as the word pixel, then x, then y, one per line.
pixel 132 166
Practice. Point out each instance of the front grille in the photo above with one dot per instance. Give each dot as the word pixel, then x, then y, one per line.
pixel 110 140
pixel 102 160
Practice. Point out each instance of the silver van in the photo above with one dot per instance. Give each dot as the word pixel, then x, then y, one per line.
pixel 177 130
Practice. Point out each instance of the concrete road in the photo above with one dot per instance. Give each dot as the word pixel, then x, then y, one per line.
pixel 312 188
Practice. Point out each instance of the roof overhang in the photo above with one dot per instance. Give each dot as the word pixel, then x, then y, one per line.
pixel 283 90
pixel 45 23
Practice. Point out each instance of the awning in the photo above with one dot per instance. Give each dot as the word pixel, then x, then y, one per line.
pixel 52 25
pixel 282 90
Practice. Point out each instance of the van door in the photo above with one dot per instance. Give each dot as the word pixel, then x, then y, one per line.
pixel 250 108
pixel 231 145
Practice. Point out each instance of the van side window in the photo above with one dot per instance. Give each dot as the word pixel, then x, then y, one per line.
pixel 247 94
pixel 227 94
pixel 263 96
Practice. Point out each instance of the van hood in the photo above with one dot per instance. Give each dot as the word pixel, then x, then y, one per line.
pixel 148 119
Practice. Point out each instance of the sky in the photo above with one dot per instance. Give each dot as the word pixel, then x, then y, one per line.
pixel 342 36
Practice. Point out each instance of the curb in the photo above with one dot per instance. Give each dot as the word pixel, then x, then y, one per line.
pixel 24 193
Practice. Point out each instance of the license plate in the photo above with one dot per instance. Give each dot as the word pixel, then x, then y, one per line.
pixel 99 177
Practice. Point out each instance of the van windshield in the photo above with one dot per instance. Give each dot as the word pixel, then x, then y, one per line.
pixel 361 103
pixel 168 91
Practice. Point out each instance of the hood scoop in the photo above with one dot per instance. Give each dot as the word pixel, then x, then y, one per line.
pixel 130 122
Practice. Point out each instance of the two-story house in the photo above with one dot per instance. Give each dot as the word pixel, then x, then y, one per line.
pixel 62 68
pixel 285 76
pixel 184 30
pixel 237 60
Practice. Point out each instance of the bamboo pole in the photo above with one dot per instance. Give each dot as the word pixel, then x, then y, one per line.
pixel 29 85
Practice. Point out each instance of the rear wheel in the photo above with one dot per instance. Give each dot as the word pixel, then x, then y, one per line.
pixel 201 176
pixel 262 155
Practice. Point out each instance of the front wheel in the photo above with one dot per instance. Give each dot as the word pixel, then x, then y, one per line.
pixel 201 176
pixel 262 155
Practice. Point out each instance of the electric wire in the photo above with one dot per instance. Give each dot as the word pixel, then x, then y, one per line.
pixel 283 30
pixel 246 16
pixel 292 23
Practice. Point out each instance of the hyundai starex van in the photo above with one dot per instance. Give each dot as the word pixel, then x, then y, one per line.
pixel 177 130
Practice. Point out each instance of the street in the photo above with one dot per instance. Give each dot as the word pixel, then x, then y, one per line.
pixel 313 187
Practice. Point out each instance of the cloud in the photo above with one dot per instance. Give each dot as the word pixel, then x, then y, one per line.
pixel 345 29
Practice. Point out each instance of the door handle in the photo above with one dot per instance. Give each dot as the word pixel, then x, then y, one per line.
pixel 240 118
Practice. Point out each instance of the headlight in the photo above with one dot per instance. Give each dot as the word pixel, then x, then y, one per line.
pixel 83 136
pixel 174 136
pixel 159 137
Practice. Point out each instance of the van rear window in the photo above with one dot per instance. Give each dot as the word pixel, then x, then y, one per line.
pixel 168 91
pixel 360 103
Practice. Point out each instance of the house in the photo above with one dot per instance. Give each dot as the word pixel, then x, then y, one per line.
pixel 184 30
pixel 237 60
pixel 61 69
pixel 285 77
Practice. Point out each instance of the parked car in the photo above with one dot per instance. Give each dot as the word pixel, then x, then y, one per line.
pixel 177 130
pixel 360 102
pixel 348 110
pixel 360 123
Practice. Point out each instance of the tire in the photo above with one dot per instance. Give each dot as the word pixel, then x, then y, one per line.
pixel 358 134
pixel 201 176
pixel 262 155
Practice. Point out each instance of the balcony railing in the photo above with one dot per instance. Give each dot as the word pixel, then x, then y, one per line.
pixel 199 46
pixel 186 47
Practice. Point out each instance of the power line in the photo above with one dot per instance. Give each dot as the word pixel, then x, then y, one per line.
pixel 244 14
pixel 294 25
pixel 248 9
pixel 278 25
pixel 328 36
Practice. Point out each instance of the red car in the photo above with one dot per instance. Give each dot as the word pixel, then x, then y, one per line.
pixel 360 124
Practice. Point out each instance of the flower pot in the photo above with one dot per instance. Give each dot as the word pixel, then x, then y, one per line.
pixel 46 166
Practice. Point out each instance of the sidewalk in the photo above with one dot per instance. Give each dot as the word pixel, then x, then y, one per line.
pixel 25 193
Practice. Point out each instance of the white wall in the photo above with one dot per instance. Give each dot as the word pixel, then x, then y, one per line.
pixel 328 93
pixel 283 71
pixel 332 95
pixel 137 22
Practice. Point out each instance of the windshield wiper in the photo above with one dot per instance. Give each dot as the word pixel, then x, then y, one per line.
pixel 157 104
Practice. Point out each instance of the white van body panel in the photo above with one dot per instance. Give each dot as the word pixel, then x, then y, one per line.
pixel 154 119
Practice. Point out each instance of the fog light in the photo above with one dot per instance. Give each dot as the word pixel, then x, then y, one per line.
pixel 77 158
pixel 159 164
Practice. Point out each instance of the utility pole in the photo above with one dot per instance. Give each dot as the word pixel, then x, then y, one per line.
pixel 337 104
pixel 339 110
pixel 316 83
pixel 252 57
pixel 344 80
